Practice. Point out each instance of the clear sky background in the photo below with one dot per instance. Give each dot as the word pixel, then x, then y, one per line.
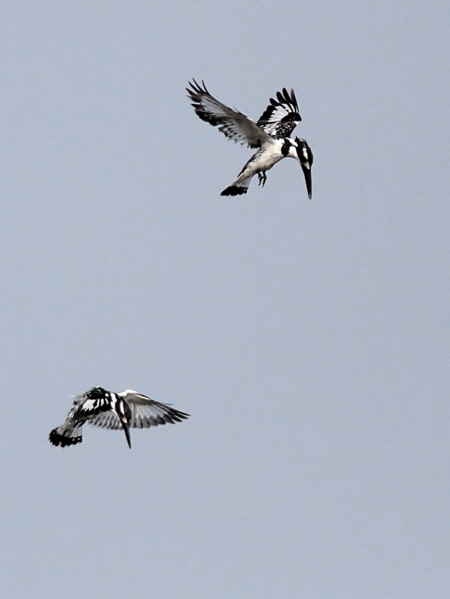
pixel 308 339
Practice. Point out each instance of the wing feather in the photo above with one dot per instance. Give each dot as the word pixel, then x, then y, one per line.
pixel 145 412
pixel 281 115
pixel 233 124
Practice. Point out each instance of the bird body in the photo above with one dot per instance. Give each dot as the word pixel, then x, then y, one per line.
pixel 108 409
pixel 270 134
pixel 262 161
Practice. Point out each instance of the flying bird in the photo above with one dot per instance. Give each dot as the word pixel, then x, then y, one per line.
pixel 269 134
pixel 107 409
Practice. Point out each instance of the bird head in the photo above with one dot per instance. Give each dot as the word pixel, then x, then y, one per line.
pixel 305 157
pixel 96 393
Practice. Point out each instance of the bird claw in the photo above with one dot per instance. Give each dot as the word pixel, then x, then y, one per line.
pixel 262 178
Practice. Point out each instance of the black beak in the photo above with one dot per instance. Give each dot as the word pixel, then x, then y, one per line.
pixel 307 172
pixel 127 433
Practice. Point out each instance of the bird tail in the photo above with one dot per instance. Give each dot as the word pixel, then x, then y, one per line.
pixel 238 187
pixel 62 438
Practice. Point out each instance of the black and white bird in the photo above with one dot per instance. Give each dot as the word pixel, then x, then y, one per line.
pixel 270 134
pixel 112 410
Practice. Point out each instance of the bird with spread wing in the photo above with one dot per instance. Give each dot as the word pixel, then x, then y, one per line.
pixel 270 135
pixel 107 409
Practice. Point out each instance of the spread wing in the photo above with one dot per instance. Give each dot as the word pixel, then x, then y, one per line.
pixel 145 412
pixel 233 124
pixel 281 115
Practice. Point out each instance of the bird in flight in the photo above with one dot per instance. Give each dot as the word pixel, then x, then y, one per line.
pixel 112 410
pixel 269 134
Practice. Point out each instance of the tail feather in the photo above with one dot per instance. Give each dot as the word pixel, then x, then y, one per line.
pixel 238 187
pixel 59 439
pixel 234 190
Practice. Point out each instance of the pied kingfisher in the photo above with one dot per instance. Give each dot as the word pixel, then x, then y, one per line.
pixel 270 134
pixel 112 410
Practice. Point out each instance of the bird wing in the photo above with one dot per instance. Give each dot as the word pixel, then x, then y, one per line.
pixel 281 115
pixel 232 123
pixel 84 409
pixel 145 412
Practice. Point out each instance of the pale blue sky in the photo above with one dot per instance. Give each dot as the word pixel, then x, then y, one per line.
pixel 308 339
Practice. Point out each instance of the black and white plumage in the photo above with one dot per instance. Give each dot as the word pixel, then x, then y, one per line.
pixel 107 409
pixel 281 115
pixel 270 134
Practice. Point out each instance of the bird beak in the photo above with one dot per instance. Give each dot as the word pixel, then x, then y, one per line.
pixel 306 168
pixel 127 433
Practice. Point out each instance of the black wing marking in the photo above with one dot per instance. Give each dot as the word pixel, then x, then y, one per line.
pixel 281 115
pixel 232 123
pixel 88 408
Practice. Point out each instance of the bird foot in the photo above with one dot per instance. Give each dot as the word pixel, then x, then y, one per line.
pixel 262 178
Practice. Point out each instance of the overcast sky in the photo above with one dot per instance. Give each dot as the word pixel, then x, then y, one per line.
pixel 308 339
